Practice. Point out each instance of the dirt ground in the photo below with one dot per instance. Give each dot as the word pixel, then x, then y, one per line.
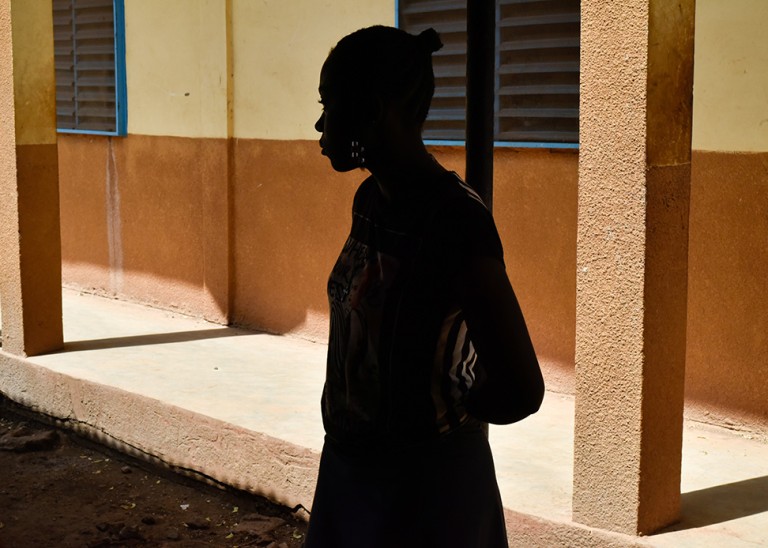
pixel 59 490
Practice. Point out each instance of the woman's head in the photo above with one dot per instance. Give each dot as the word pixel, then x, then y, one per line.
pixel 387 63
pixel 372 69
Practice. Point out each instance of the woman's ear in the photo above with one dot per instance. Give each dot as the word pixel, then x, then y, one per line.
pixel 371 114
pixel 377 111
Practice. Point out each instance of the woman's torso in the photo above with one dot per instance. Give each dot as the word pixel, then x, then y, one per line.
pixel 400 360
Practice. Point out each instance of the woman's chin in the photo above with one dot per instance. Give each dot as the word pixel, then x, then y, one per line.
pixel 342 166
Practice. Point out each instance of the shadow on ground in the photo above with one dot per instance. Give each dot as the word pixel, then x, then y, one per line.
pixel 154 338
pixel 722 503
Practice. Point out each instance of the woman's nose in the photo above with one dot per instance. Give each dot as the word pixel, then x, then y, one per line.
pixel 320 123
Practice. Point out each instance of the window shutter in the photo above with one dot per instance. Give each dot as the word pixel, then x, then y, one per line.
pixel 64 57
pixel 86 87
pixel 537 68
pixel 446 119
pixel 538 95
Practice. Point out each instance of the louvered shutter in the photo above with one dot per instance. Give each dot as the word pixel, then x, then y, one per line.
pixel 86 75
pixel 537 68
pixel 446 119
pixel 538 74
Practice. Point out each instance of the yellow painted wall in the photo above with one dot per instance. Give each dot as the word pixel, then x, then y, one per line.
pixel 177 82
pixel 176 59
pixel 731 76
pixel 279 47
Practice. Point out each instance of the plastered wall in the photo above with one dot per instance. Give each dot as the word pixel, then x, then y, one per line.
pixel 177 73
pixel 727 355
pixel 145 218
pixel 247 228
pixel 731 79
pixel 176 67
pixel 279 49
pixel 177 82
pixel 727 349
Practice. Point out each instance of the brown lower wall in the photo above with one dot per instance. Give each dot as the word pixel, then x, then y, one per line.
pixel 727 354
pixel 247 232
pixel 145 218
pixel 292 214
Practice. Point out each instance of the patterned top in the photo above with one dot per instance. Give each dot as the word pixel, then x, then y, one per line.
pixel 400 358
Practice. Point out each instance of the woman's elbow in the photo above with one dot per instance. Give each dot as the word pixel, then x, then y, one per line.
pixel 526 380
pixel 506 403
pixel 533 402
pixel 529 387
pixel 528 402
pixel 536 392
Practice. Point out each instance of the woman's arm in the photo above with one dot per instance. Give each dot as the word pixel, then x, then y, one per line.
pixel 513 387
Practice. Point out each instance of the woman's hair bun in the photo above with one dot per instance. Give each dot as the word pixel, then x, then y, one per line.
pixel 429 40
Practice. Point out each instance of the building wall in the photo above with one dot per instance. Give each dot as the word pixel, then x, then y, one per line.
pixel 177 73
pixel 177 204
pixel 727 352
pixel 730 81
pixel 218 204
pixel 145 218
pixel 277 67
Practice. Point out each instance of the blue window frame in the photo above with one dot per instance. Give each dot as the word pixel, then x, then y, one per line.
pixel 537 70
pixel 89 51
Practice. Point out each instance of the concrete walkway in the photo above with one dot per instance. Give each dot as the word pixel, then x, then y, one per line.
pixel 243 408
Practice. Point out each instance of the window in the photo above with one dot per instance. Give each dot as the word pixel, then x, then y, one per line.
pixel 537 69
pixel 89 51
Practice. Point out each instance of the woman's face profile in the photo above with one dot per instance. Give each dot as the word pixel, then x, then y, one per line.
pixel 335 124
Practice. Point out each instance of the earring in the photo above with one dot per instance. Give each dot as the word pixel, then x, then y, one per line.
pixel 358 153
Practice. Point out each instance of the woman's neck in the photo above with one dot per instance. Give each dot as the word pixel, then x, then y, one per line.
pixel 402 175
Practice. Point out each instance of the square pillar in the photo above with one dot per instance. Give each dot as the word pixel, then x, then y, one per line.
pixel 632 261
pixel 30 243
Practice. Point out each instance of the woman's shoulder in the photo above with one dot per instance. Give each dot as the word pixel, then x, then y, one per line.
pixel 465 219
pixel 368 184
pixel 461 199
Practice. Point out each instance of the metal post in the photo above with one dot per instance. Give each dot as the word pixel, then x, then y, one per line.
pixel 481 40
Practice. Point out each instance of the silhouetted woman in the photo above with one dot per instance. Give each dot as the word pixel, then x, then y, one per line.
pixel 427 339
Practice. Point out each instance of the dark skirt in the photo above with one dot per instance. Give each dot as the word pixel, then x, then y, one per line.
pixel 442 493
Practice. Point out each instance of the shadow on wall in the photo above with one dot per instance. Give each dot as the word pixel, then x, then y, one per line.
pixel 723 503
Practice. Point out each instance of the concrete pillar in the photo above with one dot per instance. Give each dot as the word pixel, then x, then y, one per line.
pixel 30 244
pixel 632 261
